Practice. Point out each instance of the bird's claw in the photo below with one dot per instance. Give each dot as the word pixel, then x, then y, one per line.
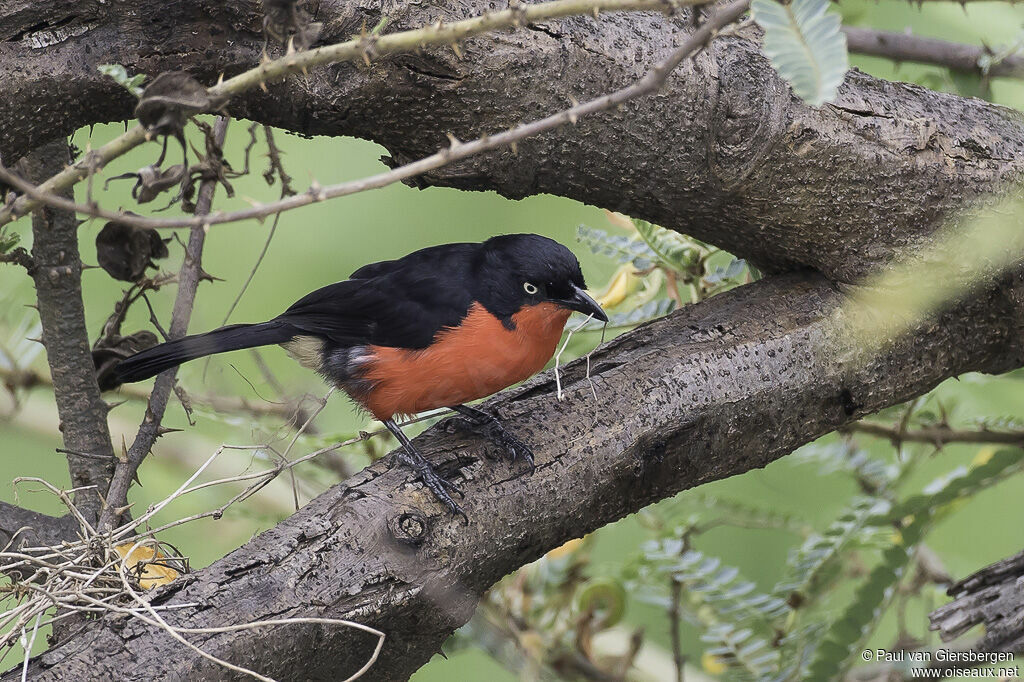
pixel 442 489
pixel 513 447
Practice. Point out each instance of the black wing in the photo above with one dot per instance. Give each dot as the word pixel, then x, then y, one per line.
pixel 401 303
pixel 428 257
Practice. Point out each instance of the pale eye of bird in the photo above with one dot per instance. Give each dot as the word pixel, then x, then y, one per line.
pixel 529 288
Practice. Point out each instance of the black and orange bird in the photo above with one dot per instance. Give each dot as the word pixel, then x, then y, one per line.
pixel 441 327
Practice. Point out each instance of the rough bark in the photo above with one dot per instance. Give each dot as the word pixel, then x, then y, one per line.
pixel 711 391
pixel 57 273
pixel 724 152
pixel 992 596
pixel 21 527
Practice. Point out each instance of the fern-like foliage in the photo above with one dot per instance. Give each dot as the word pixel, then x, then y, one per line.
pixel 674 250
pixel 872 473
pixel 737 620
pixel 803 41
pixel 988 469
pixel 848 632
pixel 741 649
pixel 705 507
pixel 734 270
pixel 808 567
pixel 620 248
pixel 720 587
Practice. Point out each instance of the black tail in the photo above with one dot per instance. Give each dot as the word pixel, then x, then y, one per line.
pixel 154 360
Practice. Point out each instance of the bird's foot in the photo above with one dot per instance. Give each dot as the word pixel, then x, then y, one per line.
pixel 441 487
pixel 434 482
pixel 488 426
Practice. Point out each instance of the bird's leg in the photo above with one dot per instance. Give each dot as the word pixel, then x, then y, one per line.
pixel 489 426
pixel 412 458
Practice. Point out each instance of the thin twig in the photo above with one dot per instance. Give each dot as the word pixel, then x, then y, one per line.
pixel 365 48
pixel 651 82
pixel 904 47
pixel 15 378
pixel 937 435
pixel 188 282
pixel 674 615
pixel 19 256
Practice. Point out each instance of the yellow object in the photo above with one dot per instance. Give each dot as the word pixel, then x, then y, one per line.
pixel 150 575
pixel 618 287
pixel 712 664
pixel 897 536
pixel 620 220
pixel 566 549
pixel 983 456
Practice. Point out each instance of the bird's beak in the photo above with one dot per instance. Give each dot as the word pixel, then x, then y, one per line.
pixel 581 302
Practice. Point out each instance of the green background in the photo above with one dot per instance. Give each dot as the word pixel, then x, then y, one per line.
pixel 325 242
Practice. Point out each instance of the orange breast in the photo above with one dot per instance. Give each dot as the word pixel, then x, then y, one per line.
pixel 477 358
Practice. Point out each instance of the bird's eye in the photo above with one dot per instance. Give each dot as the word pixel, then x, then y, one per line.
pixel 529 288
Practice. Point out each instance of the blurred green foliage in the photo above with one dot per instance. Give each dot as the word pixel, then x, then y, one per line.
pixel 803 525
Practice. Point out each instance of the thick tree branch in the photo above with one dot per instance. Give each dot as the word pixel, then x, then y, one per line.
pixel 903 47
pixel 992 596
pixel 21 527
pixel 711 391
pixel 724 152
pixel 367 47
pixel 58 279
pixel 651 82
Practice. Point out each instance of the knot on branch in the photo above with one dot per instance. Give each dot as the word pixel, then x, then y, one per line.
pixel 409 528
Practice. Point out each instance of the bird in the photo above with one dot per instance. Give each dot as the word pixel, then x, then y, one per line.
pixel 438 328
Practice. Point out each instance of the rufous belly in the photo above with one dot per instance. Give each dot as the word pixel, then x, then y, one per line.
pixel 479 357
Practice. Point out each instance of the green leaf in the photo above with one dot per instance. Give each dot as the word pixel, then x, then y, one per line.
pixel 805 45
pixel 677 251
pixel 848 632
pixel 119 74
pixel 8 240
pixel 620 248
pixel 807 567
